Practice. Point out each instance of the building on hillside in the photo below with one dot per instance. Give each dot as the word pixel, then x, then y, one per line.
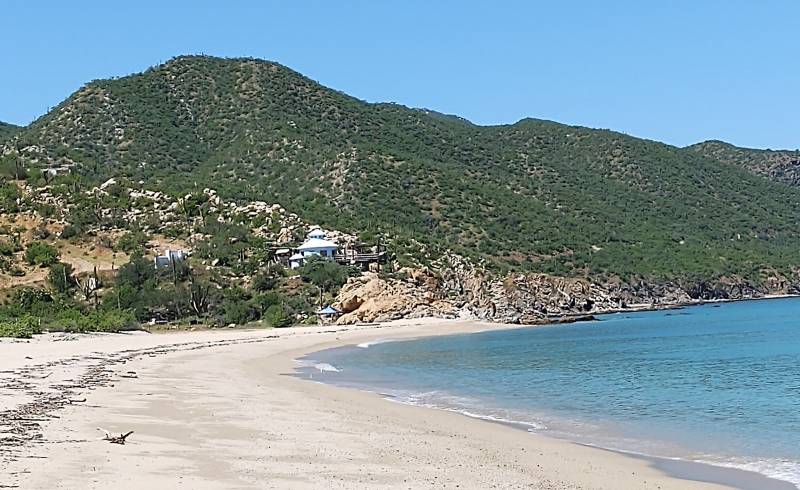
pixel 365 257
pixel 316 233
pixel 281 255
pixel 169 257
pixel 296 261
pixel 51 172
pixel 315 245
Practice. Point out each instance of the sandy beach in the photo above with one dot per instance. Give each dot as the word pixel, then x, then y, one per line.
pixel 221 410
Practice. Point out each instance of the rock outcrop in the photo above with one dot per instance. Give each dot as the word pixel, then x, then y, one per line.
pixel 454 287
pixel 371 298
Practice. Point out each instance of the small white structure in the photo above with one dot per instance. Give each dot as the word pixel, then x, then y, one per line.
pixel 316 233
pixel 296 261
pixel 316 244
pixel 169 257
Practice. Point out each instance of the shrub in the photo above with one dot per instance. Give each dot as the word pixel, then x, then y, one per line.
pixel 136 272
pixel 239 313
pixel 324 274
pixel 27 298
pixel 21 328
pixel 97 321
pixel 60 277
pixel 277 316
pixel 41 254
pixel 237 306
pixel 41 232
pixel 8 248
pixel 264 281
pixel 132 242
pixel 69 231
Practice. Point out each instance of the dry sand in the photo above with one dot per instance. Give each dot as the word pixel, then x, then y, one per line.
pixel 220 410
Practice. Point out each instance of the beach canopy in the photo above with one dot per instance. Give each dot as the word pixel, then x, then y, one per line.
pixel 328 310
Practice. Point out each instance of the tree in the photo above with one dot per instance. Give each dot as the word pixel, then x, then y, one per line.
pixel 277 316
pixel 264 281
pixel 325 274
pixel 11 165
pixel 60 278
pixel 136 272
pixel 133 242
pixel 41 254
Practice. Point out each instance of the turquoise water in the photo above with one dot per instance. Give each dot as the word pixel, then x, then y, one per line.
pixel 713 383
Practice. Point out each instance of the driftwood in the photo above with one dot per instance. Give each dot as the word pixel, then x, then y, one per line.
pixel 120 439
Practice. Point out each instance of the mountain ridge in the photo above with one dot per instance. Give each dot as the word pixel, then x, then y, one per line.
pixel 777 165
pixel 534 196
pixel 7 130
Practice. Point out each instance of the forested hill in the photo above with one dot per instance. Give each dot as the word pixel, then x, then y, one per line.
pixel 778 165
pixel 7 131
pixel 534 196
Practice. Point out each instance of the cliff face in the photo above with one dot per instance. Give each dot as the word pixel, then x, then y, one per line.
pixel 461 291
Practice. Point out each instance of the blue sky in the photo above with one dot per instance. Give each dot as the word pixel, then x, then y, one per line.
pixel 677 71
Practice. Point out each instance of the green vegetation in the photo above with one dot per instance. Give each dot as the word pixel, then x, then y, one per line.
pixel 41 254
pixel 60 278
pixel 20 328
pixel 326 275
pixel 533 196
pixel 96 321
pixel 182 292
pixel 140 293
pixel 9 194
pixel 778 165
pixel 131 242
pixel 7 131
pixel 30 311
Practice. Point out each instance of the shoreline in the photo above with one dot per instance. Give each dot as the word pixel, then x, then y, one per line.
pixel 684 469
pixel 639 308
pixel 223 410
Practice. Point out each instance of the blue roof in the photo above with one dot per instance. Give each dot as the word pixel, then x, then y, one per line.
pixel 328 310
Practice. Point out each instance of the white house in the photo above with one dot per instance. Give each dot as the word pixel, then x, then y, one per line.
pixel 316 233
pixel 315 244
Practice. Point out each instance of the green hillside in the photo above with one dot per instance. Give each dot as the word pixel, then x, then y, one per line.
pixel 532 196
pixel 7 131
pixel 778 165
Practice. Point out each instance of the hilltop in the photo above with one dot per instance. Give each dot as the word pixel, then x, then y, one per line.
pixel 516 222
pixel 7 131
pixel 534 196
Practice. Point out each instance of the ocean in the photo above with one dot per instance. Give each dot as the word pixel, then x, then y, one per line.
pixel 717 383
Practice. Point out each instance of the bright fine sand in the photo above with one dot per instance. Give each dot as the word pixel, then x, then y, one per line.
pixel 220 410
